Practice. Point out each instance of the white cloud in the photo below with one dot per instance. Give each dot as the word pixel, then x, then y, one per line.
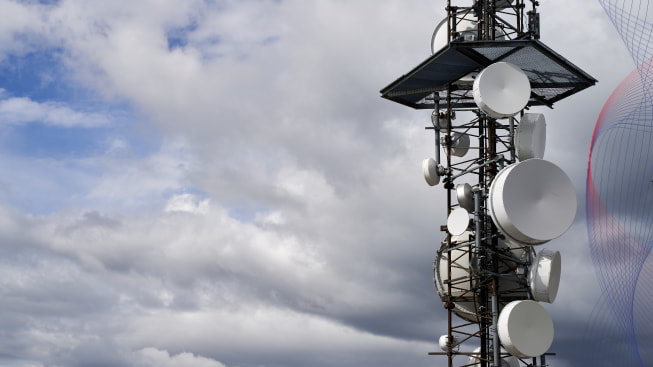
pixel 170 282
pixel 24 110
pixel 152 357
pixel 275 333
pixel 115 180
pixel 19 20
pixel 188 203
pixel 129 181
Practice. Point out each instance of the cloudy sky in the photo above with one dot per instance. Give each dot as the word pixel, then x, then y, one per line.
pixel 218 183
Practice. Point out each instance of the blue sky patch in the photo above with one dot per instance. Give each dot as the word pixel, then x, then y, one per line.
pixel 245 213
pixel 45 141
pixel 39 76
pixel 178 37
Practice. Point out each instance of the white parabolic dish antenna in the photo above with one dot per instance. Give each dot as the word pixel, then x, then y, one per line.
pixel 464 281
pixel 525 329
pixel 459 144
pixel 544 276
pixel 501 90
pixel 458 221
pixel 443 342
pixel 465 196
pixel 530 138
pixel 466 27
pixel 430 171
pixel 460 269
pixel 532 202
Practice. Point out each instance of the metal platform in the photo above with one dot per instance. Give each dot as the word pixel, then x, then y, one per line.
pixel 552 77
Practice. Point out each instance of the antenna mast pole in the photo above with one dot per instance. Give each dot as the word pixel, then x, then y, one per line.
pixel 486 293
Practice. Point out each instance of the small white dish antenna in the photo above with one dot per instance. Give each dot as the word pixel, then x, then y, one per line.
pixel 458 221
pixel 465 196
pixel 544 276
pixel 436 120
pixel 532 202
pixel 475 360
pixel 501 90
pixel 530 137
pixel 525 329
pixel 459 144
pixel 440 118
pixel 443 342
pixel 430 171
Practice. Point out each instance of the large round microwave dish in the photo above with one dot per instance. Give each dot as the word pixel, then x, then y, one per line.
pixel 544 276
pixel 439 38
pixel 465 306
pixel 530 137
pixel 532 202
pixel 466 27
pixel 465 309
pixel 501 90
pixel 430 171
pixel 525 329
pixel 462 260
pixel 460 269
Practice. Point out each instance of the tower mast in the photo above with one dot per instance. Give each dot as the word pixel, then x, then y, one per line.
pixel 481 269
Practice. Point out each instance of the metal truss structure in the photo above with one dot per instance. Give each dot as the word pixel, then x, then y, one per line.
pixel 508 31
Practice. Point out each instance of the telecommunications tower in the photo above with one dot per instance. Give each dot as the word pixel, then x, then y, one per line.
pixel 487 70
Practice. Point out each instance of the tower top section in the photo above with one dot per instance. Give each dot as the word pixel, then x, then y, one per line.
pixel 472 38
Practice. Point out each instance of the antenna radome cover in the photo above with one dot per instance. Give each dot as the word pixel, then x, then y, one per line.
pixel 544 276
pixel 530 137
pixel 532 202
pixel 501 90
pixel 525 329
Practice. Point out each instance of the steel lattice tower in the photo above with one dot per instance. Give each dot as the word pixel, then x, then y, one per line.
pixel 503 30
